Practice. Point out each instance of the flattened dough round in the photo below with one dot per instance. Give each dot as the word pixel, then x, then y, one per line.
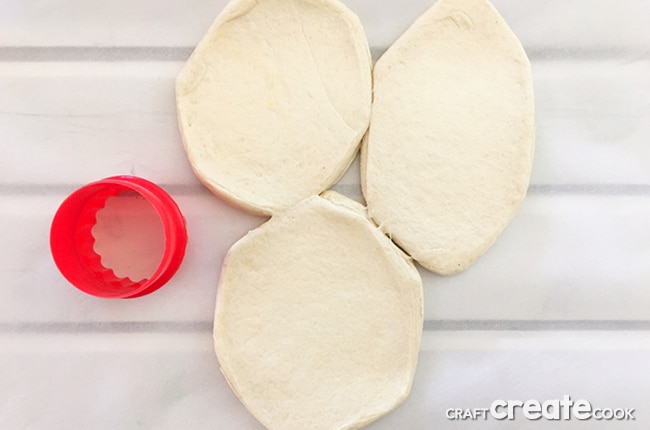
pixel 449 153
pixel 274 101
pixel 318 319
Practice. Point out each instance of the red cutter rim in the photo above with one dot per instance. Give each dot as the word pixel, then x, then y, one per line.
pixel 71 240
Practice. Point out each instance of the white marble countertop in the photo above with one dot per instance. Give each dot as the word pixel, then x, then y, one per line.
pixel 559 306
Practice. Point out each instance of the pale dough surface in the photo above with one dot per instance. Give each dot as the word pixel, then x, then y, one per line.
pixel 274 101
pixel 318 319
pixel 449 153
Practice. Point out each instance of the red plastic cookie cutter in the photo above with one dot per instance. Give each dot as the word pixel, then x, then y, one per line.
pixel 72 242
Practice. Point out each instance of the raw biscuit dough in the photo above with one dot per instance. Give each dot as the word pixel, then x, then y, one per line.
pixel 318 318
pixel 274 101
pixel 449 153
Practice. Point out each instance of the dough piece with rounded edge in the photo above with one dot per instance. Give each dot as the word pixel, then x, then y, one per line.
pixel 274 101
pixel 449 153
pixel 318 318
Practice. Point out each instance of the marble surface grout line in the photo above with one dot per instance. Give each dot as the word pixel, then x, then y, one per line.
pixel 640 190
pixel 181 53
pixel 429 325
